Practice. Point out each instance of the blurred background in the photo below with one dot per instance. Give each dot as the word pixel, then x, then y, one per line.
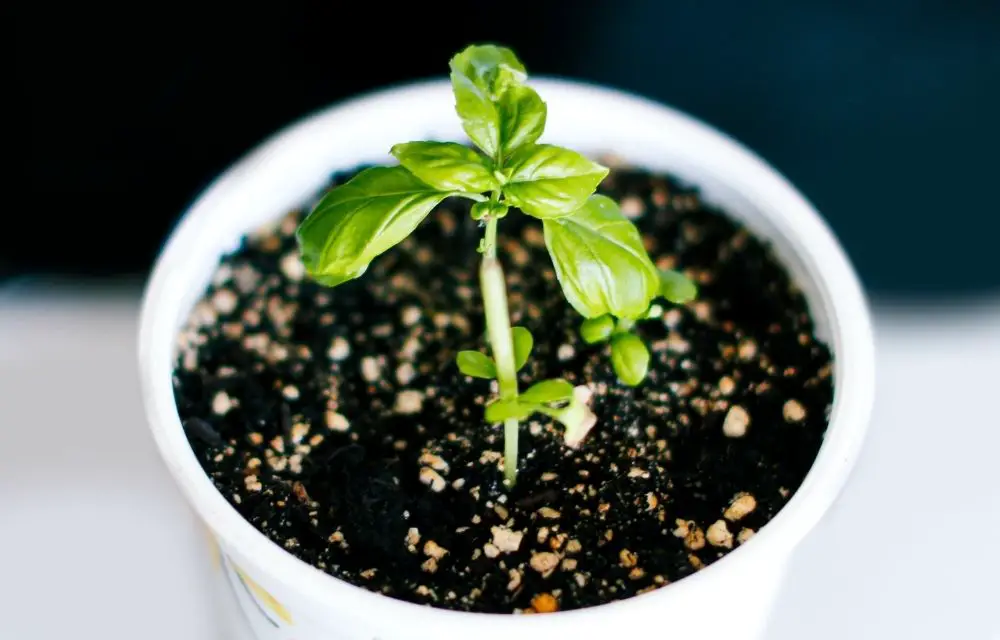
pixel 883 114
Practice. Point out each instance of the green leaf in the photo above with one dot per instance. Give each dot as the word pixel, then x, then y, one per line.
pixel 501 410
pixel 547 392
pixel 488 208
pixel 547 181
pixel 630 358
pixel 359 220
pixel 480 118
pixel 522 117
pixel 676 288
pixel 600 261
pixel 490 68
pixel 447 166
pixel 479 74
pixel 476 364
pixel 523 342
pixel 594 330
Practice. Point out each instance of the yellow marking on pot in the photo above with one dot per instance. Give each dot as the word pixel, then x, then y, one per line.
pixel 213 550
pixel 265 597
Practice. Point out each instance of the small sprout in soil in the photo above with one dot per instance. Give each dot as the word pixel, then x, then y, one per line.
pixel 629 354
pixel 598 255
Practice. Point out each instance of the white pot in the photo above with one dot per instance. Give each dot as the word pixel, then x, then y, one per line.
pixel 285 598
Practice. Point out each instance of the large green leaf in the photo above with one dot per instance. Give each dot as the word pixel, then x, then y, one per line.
pixel 359 220
pixel 600 261
pixel 547 181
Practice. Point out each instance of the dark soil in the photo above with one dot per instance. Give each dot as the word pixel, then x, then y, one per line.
pixel 338 424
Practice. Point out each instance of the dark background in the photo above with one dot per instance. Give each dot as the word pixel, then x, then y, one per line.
pixel 885 115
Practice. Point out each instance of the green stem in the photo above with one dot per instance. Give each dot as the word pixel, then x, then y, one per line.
pixel 624 325
pixel 491 280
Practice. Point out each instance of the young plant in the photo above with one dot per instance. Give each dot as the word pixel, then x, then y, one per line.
pixel 598 255
pixel 629 355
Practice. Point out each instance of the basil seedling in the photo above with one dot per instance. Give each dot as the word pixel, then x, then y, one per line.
pixel 597 252
pixel 629 355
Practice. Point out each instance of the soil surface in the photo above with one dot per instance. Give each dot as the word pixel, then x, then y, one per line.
pixel 337 422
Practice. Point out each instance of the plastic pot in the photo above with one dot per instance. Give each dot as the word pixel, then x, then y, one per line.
pixel 284 598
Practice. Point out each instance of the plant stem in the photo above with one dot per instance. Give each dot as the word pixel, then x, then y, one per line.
pixel 624 325
pixel 494 288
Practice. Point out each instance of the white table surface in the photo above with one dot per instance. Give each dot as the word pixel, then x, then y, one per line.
pixel 95 542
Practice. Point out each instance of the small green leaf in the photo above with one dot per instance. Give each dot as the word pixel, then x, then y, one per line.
pixel 489 208
pixel 359 220
pixel 600 261
pixel 546 181
pixel 677 288
pixel 547 392
pixel 447 166
pixel 630 358
pixel 489 67
pixel 501 410
pixel 523 342
pixel 522 117
pixel 476 364
pixel 594 330
pixel 479 74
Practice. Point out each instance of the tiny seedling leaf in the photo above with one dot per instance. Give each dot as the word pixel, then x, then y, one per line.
pixel 523 342
pixel 489 67
pixel 594 330
pixel 501 410
pixel 677 288
pixel 359 220
pixel 630 358
pixel 476 364
pixel 547 392
pixel 546 181
pixel 600 261
pixel 447 166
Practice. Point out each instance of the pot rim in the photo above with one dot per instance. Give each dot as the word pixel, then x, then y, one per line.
pixel 852 343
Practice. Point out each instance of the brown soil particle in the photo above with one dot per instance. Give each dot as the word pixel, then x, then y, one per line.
pixel 336 422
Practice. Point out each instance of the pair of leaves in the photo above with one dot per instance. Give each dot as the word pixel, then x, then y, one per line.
pixel 498 112
pixel 555 398
pixel 544 181
pixel 480 365
pixel 629 355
